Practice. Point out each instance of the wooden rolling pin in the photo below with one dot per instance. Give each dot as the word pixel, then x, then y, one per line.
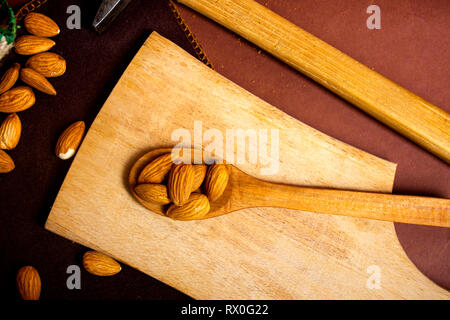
pixel 397 107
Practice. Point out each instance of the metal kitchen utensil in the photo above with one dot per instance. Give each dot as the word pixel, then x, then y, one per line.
pixel 107 12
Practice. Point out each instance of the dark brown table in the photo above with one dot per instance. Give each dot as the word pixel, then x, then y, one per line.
pixel 419 33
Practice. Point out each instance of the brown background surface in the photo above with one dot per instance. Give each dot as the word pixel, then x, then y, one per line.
pixel 412 49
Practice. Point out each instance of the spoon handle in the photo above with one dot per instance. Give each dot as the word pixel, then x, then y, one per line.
pixel 378 206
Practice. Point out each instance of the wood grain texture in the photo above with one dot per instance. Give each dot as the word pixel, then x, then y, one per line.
pixel 395 106
pixel 253 253
pixel 243 191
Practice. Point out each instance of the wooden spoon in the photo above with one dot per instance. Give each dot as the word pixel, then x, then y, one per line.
pixel 244 191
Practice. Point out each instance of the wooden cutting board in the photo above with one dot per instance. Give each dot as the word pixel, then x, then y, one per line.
pixel 261 253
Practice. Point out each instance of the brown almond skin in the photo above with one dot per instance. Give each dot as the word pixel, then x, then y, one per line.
pixel 40 25
pixel 181 179
pixel 28 283
pixel 48 64
pixel 157 170
pixel 199 175
pixel 37 81
pixel 216 181
pixel 9 78
pixel 17 99
pixel 70 139
pixel 154 193
pixel 100 264
pixel 29 44
pixel 195 208
pixel 10 131
pixel 6 162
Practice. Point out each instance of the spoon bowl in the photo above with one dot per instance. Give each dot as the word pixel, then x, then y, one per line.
pixel 219 207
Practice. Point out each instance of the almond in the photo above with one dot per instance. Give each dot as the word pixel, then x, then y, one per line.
pixel 28 283
pixel 6 163
pixel 37 81
pixel 17 99
pixel 199 175
pixel 196 207
pixel 41 25
pixel 9 78
pixel 216 181
pixel 157 170
pixel 10 131
pixel 28 45
pixel 69 140
pixel 181 180
pixel 48 64
pixel 100 264
pixel 154 193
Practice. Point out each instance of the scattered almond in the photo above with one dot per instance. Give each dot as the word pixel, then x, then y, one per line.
pixel 37 81
pixel 17 99
pixel 69 140
pixel 154 193
pixel 157 170
pixel 100 264
pixel 28 45
pixel 9 78
pixel 40 25
pixel 28 283
pixel 6 163
pixel 181 180
pixel 216 181
pixel 42 64
pixel 196 207
pixel 10 131
pixel 48 64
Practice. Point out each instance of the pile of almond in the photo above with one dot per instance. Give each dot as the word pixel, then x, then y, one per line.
pixel 187 189
pixel 40 66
